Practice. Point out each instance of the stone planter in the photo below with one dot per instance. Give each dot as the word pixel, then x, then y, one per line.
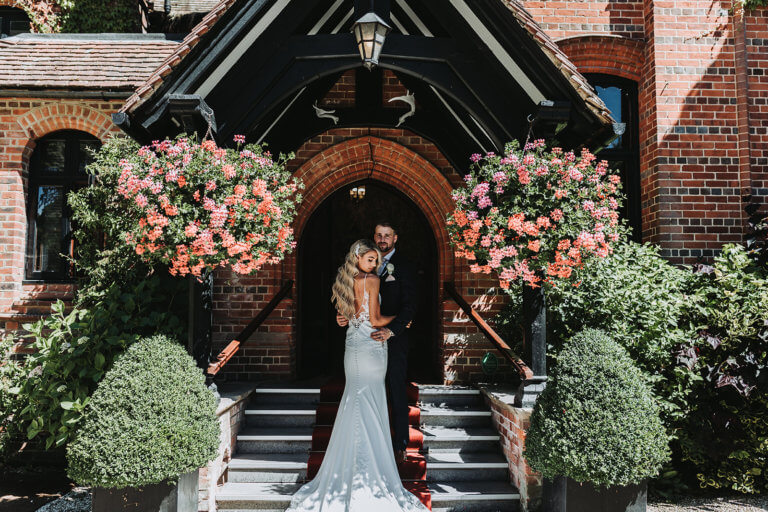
pixel 565 495
pixel 162 497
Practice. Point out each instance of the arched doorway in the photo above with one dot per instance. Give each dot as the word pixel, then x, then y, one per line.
pixel 325 239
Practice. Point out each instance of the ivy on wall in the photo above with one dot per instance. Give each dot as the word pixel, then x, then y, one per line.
pixel 81 16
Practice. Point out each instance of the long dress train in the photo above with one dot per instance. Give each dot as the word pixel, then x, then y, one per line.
pixel 358 473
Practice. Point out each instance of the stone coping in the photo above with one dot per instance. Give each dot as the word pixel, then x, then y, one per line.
pixel 232 393
pixel 501 393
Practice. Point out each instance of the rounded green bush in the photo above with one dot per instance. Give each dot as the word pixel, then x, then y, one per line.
pixel 596 421
pixel 150 419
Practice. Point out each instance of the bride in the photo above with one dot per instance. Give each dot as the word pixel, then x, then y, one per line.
pixel 358 473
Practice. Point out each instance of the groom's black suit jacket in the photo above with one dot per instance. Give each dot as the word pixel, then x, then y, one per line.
pixel 398 296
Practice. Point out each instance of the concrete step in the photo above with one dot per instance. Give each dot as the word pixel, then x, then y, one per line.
pixel 460 439
pixel 451 396
pixel 458 467
pixel 275 415
pixel 455 416
pixel 255 496
pixel 274 440
pixel 268 468
pixel 474 496
pixel 286 395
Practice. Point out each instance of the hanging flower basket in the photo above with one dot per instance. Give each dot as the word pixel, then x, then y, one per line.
pixel 196 206
pixel 535 215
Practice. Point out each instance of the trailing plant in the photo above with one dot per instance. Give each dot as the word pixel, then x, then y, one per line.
pixel 533 215
pixel 151 419
pixel 596 421
pixel 43 397
pixel 195 206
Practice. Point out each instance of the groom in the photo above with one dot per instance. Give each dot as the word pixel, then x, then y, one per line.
pixel 398 298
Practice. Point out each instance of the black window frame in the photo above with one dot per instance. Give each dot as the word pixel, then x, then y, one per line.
pixel 9 14
pixel 629 152
pixel 70 179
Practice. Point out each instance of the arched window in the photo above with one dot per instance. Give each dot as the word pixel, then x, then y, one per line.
pixel 620 96
pixel 57 167
pixel 13 21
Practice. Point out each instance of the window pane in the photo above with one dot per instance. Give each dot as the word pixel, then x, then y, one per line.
pixel 52 156
pixel 19 27
pixel 611 96
pixel 48 230
pixel 84 156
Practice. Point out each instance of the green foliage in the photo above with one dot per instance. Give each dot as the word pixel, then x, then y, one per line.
pixel 82 16
pixel 639 298
pixel 43 397
pixel 725 435
pixel 749 5
pixel 596 420
pixel 151 419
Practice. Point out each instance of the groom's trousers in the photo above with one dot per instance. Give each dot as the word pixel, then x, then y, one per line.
pixel 397 369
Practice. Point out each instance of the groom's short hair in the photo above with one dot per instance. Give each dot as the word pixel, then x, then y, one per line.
pixel 386 224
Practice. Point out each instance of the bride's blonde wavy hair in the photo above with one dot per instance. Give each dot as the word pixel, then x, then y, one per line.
pixel 344 286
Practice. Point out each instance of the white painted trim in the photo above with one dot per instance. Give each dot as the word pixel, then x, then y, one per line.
pixel 325 17
pixel 398 24
pixel 498 51
pixel 342 22
pixel 458 118
pixel 280 116
pixel 412 15
pixel 485 132
pixel 224 66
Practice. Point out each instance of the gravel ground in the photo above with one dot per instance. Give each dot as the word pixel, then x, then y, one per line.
pixel 76 500
pixel 722 504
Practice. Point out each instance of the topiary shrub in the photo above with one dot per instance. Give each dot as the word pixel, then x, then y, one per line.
pixel 150 419
pixel 596 421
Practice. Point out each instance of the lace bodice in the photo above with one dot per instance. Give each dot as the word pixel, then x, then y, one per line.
pixel 363 314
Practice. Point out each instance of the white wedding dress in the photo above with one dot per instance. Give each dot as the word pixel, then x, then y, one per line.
pixel 358 473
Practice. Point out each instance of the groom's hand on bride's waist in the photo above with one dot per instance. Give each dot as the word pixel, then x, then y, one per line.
pixel 342 320
pixel 382 335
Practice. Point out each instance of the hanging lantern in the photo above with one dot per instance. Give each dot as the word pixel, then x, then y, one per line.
pixel 370 32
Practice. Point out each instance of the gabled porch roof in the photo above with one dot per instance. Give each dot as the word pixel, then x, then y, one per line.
pixel 480 70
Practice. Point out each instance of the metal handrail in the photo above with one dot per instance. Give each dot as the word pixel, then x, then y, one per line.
pixel 229 351
pixel 522 369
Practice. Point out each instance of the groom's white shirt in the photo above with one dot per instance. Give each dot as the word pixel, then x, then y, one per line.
pixel 385 261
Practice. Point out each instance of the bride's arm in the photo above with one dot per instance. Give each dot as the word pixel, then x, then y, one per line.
pixel 374 309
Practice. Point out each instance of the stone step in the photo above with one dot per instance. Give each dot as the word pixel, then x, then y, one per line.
pixel 474 496
pixel 451 396
pixel 274 440
pixel 455 416
pixel 446 496
pixel 457 467
pixel 268 468
pixel 286 395
pixel 255 496
pixel 275 415
pixel 460 439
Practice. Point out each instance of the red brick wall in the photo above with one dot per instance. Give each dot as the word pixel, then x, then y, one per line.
pixel 756 35
pixel 325 163
pixel 568 18
pixel 22 121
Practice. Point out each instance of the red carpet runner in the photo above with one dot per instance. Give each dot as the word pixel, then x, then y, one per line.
pixel 413 472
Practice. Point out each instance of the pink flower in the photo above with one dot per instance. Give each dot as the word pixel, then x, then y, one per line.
pixel 210 185
pixel 556 214
pixel 240 139
pixel 141 200
pixel 524 176
pixel 475 157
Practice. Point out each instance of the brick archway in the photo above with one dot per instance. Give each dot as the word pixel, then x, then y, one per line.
pixel 608 55
pixel 386 161
pixel 66 116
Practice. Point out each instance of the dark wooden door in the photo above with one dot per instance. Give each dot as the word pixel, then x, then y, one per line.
pixel 333 227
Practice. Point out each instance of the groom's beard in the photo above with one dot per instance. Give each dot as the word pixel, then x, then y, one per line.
pixel 384 248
